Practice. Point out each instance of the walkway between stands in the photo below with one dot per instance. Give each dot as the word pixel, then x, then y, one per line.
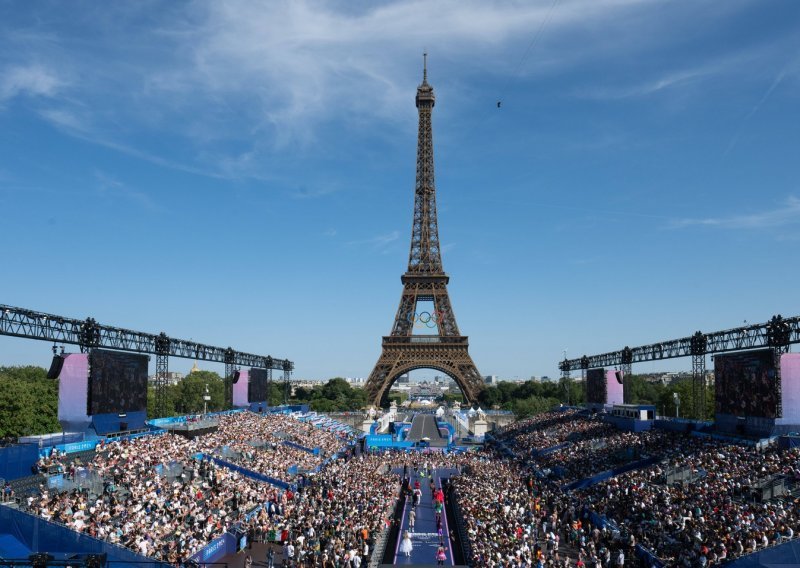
pixel 425 538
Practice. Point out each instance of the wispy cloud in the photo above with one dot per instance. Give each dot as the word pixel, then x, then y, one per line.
pixel 220 76
pixel 378 242
pixel 112 188
pixel 651 86
pixel 787 214
pixel 313 192
pixel 774 85
pixel 447 247
pixel 243 70
pixel 32 80
pixel 80 127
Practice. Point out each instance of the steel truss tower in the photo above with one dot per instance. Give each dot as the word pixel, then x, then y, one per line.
pixel 425 281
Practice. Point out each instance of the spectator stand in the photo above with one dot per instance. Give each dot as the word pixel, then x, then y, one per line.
pixel 603 475
pixel 646 556
pixel 245 472
pixel 549 450
pixel 683 475
pixel 313 451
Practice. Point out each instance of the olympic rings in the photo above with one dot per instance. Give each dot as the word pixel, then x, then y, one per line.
pixel 425 319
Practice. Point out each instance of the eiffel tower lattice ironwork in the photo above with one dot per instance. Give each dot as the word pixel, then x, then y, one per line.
pixel 425 280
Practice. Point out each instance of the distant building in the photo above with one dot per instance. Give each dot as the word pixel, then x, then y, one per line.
pixel 172 378
pixel 491 379
pixel 404 379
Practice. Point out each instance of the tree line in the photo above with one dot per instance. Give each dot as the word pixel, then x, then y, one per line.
pixel 533 397
pixel 29 400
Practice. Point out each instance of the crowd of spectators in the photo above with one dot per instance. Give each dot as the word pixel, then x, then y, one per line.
pixel 711 514
pixel 142 508
pixel 160 499
pixel 589 455
pixel 257 443
pixel 334 516
pixel 512 519
pixel 715 516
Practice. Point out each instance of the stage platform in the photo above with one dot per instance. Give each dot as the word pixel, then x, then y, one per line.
pixel 193 430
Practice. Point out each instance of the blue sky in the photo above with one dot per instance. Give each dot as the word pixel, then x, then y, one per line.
pixel 242 173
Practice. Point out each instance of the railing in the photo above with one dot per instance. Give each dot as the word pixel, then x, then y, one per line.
pixel 379 547
pixel 466 544
pixel 446 340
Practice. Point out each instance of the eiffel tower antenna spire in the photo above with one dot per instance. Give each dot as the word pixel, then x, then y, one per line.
pixel 445 349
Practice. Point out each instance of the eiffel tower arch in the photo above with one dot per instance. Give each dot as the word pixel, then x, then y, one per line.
pixel 425 281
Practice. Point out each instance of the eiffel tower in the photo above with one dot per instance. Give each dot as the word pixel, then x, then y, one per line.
pixel 425 280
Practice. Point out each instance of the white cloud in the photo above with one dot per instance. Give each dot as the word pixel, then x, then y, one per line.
pixel 32 80
pixel 378 242
pixel 63 118
pixel 304 61
pixel 447 247
pixel 266 75
pixel 787 214
pixel 110 187
pixel 649 87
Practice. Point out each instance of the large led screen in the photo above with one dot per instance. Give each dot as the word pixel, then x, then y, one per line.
pixel 596 386
pixel 257 387
pixel 745 384
pixel 117 382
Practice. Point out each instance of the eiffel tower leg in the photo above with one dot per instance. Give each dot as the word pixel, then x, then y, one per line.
pixel 402 355
pixel 381 377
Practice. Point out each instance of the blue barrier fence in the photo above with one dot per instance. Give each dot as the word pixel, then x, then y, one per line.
pixel 39 535
pixel 385 441
pixel 215 550
pixel 550 450
pixel 314 451
pixel 603 475
pixel 71 448
pixel 784 555
pixel 647 557
pixel 169 420
pixel 16 461
pixel 246 472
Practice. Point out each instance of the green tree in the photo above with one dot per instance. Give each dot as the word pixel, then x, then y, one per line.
pixel 170 394
pixel 490 397
pixel 28 402
pixel 189 392
pixel 336 395
pixel 531 406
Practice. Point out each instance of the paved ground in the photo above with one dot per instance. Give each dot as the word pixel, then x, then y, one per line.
pixel 425 538
pixel 425 426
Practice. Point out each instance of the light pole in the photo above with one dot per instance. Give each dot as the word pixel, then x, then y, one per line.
pixel 677 399
pixel 566 378
pixel 206 398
